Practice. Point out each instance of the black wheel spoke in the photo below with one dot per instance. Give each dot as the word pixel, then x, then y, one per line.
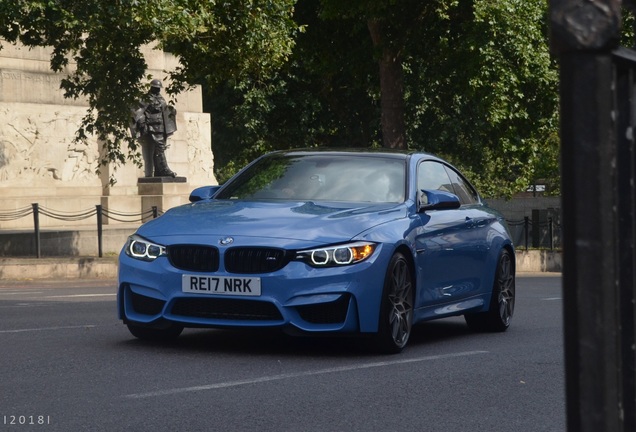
pixel 398 305
pixel 502 304
pixel 505 279
pixel 400 322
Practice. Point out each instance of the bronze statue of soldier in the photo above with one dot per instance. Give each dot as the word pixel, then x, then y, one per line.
pixel 153 122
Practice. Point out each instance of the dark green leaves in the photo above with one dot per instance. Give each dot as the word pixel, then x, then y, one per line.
pixel 98 43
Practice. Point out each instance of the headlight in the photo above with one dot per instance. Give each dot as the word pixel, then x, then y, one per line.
pixel 337 255
pixel 140 248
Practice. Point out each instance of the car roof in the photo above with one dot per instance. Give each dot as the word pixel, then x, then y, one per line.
pixel 403 154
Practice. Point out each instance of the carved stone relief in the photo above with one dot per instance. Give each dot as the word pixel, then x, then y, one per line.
pixel 37 147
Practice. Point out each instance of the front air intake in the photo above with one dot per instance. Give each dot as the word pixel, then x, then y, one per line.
pixel 226 309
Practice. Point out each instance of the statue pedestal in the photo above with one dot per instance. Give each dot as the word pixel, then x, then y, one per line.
pixel 162 192
pixel 162 180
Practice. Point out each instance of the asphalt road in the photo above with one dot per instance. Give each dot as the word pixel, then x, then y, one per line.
pixel 67 364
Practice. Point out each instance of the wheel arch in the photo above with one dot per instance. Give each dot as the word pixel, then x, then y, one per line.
pixel 511 251
pixel 408 255
pixel 499 244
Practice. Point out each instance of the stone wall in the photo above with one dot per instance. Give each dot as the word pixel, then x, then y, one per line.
pixel 40 162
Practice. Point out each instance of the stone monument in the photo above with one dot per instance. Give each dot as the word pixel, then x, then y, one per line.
pixel 41 163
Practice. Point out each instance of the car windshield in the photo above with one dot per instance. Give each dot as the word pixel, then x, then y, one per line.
pixel 317 177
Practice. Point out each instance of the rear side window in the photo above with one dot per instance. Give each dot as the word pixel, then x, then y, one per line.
pixel 463 189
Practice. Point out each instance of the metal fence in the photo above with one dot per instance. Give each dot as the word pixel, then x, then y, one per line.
pixel 526 233
pixel 98 212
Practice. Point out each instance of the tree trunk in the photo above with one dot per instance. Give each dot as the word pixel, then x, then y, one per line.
pixel 391 89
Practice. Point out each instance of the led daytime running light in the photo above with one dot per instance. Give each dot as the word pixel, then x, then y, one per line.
pixel 338 255
pixel 142 249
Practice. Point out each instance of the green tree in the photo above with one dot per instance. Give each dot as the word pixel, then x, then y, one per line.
pixel 325 96
pixel 483 91
pixel 475 84
pixel 471 80
pixel 102 41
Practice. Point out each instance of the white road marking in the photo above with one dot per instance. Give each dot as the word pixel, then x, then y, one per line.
pixel 81 295
pixel 48 329
pixel 552 298
pixel 19 293
pixel 296 375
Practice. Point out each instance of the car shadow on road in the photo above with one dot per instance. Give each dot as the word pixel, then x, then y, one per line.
pixel 267 342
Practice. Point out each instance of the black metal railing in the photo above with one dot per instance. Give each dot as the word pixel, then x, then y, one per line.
pixel 98 212
pixel 526 233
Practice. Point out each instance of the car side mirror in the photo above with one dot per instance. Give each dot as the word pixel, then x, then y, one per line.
pixel 436 200
pixel 203 193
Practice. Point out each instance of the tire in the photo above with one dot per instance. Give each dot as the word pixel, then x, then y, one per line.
pixel 167 333
pixel 502 303
pixel 396 310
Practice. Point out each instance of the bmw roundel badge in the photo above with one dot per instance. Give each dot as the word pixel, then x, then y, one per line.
pixel 226 241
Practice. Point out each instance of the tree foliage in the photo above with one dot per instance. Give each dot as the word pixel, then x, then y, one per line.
pixel 326 95
pixel 484 92
pixel 99 44
pixel 479 87
pixel 476 81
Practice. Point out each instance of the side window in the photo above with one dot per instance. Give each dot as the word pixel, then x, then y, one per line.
pixel 432 175
pixel 463 189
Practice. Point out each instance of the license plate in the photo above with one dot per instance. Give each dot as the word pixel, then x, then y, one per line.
pixel 240 286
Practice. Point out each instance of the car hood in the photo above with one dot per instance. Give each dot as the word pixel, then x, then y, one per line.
pixel 304 221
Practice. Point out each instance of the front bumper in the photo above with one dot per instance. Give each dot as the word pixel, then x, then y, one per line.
pixel 299 297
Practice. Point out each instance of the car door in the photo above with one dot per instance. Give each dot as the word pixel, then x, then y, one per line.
pixel 477 227
pixel 448 248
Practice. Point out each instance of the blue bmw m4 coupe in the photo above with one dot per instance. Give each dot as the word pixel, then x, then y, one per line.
pixel 323 242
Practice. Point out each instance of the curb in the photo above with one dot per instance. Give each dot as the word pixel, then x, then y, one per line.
pixel 58 268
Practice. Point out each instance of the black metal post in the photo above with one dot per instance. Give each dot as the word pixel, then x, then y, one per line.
pixel 526 229
pixel 589 221
pixel 551 233
pixel 626 206
pixel 98 207
pixel 154 212
pixel 36 226
pixel 584 34
pixel 536 228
